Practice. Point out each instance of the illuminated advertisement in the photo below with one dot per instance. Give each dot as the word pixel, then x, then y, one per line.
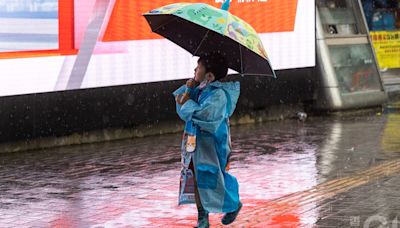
pixel 51 45
pixel 383 19
pixel 28 25
pixel 387 48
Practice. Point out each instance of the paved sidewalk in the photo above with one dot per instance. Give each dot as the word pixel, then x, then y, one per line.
pixel 326 172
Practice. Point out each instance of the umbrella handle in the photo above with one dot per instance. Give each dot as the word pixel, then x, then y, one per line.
pixel 184 95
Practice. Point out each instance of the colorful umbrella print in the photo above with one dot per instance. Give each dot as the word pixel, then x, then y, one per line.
pixel 200 28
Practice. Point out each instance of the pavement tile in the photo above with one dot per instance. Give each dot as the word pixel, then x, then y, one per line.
pixel 134 183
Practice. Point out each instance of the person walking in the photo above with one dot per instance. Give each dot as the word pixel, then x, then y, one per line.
pixel 205 104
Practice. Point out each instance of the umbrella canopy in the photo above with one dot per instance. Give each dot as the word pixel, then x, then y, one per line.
pixel 200 28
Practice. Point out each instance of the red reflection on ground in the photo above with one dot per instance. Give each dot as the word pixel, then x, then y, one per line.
pixel 64 221
pixel 152 202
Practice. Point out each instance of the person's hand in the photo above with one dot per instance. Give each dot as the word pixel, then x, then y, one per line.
pixel 191 83
pixel 182 98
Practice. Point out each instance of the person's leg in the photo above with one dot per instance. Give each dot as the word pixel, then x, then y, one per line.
pixel 231 216
pixel 202 219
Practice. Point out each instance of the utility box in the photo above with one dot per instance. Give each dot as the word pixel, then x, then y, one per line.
pixel 346 65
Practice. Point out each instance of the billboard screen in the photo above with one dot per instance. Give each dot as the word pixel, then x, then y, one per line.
pixel 113 44
pixel 28 25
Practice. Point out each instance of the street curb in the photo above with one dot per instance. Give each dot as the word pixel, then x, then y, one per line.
pixel 274 113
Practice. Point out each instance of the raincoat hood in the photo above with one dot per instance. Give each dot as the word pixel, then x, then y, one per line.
pixel 232 92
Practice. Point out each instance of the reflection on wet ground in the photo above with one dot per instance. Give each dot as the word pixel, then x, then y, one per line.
pixel 281 167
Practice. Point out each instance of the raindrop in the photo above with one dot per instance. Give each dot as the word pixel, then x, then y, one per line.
pixel 302 116
pixel 130 99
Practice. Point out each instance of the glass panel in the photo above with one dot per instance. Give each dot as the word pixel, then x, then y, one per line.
pixel 355 68
pixel 28 25
pixel 382 14
pixel 338 17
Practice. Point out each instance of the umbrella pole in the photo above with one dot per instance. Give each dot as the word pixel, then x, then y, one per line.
pixel 202 41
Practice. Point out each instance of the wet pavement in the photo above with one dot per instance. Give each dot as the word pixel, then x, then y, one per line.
pixel 325 172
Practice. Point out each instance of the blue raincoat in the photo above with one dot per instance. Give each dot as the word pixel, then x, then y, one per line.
pixel 208 111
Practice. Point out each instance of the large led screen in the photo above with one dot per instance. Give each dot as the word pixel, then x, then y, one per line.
pixel 113 44
pixel 28 25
